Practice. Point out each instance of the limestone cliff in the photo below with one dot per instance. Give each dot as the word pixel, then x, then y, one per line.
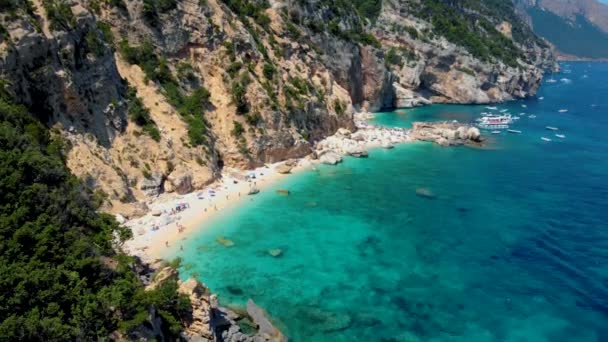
pixel 159 95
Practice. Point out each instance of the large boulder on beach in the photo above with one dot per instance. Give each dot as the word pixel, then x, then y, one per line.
pixel 180 181
pixel 343 132
pixel 330 158
pixel 284 168
pixel 152 186
pixel 358 136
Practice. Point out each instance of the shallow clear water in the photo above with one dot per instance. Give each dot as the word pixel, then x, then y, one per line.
pixel 513 247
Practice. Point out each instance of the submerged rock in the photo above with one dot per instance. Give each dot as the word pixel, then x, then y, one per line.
pixel 426 193
pixel 326 321
pixel 275 252
pixel 225 242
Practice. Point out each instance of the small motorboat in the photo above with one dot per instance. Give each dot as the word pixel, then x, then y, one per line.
pixel 524 106
pixel 491 108
pixel 541 98
pixel 522 114
pixel 561 136
pixel 551 128
pixel 545 139
pixel 532 116
pixel 503 110
pixel 562 110
pixel 495 132
pixel 514 131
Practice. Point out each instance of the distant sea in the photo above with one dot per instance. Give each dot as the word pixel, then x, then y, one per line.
pixel 512 246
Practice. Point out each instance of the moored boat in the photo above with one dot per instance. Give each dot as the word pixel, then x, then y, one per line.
pixel 495 121
pixel 561 136
pixel 551 128
pixel 545 139
pixel 513 131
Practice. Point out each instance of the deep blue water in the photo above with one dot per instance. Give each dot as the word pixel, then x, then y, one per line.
pixel 514 246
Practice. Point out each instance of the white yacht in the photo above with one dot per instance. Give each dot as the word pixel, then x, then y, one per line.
pixel 495 121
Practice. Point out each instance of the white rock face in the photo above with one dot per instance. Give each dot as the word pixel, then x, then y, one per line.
pixel 330 158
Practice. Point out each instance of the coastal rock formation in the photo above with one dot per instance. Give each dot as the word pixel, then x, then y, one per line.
pixel 330 158
pixel 186 89
pixel 446 133
pixel 199 326
pixel 265 328
pixel 206 320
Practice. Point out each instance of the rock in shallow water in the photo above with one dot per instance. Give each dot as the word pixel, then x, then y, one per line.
pixel 426 193
pixel 225 242
pixel 275 252
pixel 330 158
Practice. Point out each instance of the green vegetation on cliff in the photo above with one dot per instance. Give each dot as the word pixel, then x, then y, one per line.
pixel 466 24
pixel 191 107
pixel 60 278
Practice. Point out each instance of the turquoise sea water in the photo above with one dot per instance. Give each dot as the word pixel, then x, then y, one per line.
pixel 514 246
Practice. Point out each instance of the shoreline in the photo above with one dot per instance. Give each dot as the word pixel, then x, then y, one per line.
pixel 205 205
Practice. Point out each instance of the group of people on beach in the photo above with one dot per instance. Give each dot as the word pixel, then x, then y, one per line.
pixel 180 207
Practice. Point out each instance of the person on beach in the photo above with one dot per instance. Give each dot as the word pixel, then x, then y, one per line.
pixel 166 243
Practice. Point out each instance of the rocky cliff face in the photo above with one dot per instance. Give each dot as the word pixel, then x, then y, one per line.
pixel 157 96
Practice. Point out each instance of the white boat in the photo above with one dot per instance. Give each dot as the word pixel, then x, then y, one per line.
pixel 524 106
pixel 551 80
pixel 532 116
pixel 562 110
pixel 495 132
pixel 561 136
pixel 495 122
pixel 551 128
pixel 491 108
pixel 541 98
pixel 545 139
pixel 503 110
pixel 514 131
pixel 522 114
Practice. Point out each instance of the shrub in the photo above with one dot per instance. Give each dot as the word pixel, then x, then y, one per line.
pixel 339 107
pixel 237 129
pixel 269 71
pixel 60 15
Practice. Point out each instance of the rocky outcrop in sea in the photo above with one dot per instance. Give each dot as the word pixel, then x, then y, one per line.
pixel 446 133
